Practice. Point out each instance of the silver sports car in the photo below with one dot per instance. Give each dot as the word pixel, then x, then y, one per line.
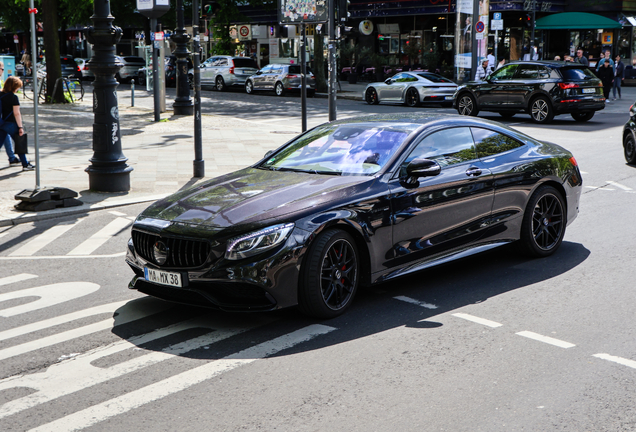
pixel 412 89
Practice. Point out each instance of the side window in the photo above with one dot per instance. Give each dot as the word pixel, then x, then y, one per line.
pixel 447 147
pixel 266 69
pixel 401 77
pixel 544 73
pixel 490 143
pixel 276 69
pixel 504 73
pixel 221 62
pixel 527 72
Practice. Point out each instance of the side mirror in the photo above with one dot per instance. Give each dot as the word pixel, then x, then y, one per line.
pixel 421 168
pixel 268 154
pixel 388 81
pixel 258 72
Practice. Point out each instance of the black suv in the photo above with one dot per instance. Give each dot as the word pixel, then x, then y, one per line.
pixel 542 89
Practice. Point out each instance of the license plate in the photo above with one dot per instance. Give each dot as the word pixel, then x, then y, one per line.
pixel 589 90
pixel 448 98
pixel 162 277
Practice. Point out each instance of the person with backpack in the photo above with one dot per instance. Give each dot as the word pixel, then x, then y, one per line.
pixel 11 119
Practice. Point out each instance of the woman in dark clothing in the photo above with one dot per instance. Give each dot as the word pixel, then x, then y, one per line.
pixel 606 74
pixel 11 115
pixel 619 76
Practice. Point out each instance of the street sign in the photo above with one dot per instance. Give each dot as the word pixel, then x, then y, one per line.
pixel 496 16
pixel 480 26
pixel 159 36
pixel 496 24
pixel 153 8
pixel 245 32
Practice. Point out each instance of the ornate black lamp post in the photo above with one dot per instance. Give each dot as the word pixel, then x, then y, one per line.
pixel 182 104
pixel 108 171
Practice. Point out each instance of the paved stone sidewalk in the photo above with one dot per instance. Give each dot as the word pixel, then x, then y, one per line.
pixel 161 153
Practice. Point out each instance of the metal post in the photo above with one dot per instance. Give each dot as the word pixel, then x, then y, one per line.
pixel 182 104
pixel 108 171
pixel 34 56
pixel 496 45
pixel 534 7
pixel 474 59
pixel 155 72
pixel 198 165
pixel 303 77
pixel 331 42
pixel 132 92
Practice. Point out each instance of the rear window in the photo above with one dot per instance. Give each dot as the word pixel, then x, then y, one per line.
pixel 577 74
pixel 295 69
pixel 67 61
pixel 244 62
pixel 435 78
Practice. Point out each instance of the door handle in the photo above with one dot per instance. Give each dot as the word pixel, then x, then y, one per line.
pixel 473 172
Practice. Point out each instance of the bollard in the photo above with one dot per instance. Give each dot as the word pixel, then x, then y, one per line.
pixel 132 92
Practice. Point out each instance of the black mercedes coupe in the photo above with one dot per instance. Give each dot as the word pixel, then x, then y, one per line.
pixel 352 203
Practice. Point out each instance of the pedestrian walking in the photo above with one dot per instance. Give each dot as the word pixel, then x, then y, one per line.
pixel 492 61
pixel 12 125
pixel 619 76
pixel 606 74
pixel 605 57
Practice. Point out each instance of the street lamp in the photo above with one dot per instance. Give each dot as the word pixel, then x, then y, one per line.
pixel 182 104
pixel 108 171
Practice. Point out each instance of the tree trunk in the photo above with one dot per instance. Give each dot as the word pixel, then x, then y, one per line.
pixel 52 51
pixel 319 63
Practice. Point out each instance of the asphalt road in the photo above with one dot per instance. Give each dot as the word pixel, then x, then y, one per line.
pixel 494 342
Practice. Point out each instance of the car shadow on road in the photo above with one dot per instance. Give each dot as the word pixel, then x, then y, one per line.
pixel 449 287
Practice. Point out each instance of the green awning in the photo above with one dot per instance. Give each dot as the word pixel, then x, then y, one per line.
pixel 575 21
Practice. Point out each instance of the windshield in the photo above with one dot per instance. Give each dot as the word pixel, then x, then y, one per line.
pixel 345 149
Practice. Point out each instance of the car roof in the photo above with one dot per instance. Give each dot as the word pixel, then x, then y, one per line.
pixel 550 63
pixel 431 119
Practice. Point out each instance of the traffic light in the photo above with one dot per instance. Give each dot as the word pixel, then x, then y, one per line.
pixel 343 10
pixel 210 9
pixel 528 21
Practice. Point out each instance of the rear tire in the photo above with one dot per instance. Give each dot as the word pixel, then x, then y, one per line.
pixel 544 221
pixel 329 275
pixel 371 96
pixel 629 147
pixel 412 98
pixel 220 84
pixel 583 116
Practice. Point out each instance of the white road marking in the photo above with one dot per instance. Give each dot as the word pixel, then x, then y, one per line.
pixel 478 320
pixel 77 373
pixel 100 237
pixel 54 257
pixel 620 186
pixel 128 311
pixel 592 187
pixel 619 360
pixel 546 339
pixel 17 278
pixel 117 213
pixel 40 241
pixel 415 302
pixel 48 295
pixel 137 398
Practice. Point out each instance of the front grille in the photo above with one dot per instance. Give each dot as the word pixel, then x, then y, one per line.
pixel 182 252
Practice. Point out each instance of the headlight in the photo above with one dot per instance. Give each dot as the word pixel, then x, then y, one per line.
pixel 257 242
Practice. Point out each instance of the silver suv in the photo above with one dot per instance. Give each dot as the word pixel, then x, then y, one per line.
pixel 281 78
pixel 227 71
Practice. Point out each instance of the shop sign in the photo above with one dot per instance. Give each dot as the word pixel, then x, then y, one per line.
pixel 273 48
pixel 366 27
pixel 388 28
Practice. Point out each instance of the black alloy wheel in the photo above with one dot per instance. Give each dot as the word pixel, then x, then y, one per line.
pixel 466 105
pixel 279 89
pixel 330 275
pixel 371 96
pixel 541 110
pixel 220 84
pixel 507 114
pixel 249 87
pixel 412 98
pixel 629 146
pixel 544 222
pixel 583 116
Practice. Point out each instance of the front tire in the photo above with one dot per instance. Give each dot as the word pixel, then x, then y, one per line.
pixel 541 110
pixel 583 116
pixel 412 98
pixel 544 221
pixel 467 105
pixel 629 147
pixel 330 275
pixel 249 87
pixel 371 97
pixel 279 89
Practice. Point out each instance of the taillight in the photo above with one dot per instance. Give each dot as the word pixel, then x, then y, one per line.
pixel 573 161
pixel 232 70
pixel 292 76
pixel 85 67
pixel 568 85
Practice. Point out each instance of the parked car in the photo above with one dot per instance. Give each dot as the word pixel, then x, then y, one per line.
pixel 130 69
pixel 226 71
pixel 412 89
pixel 83 66
pixel 629 136
pixel 354 202
pixel 280 78
pixel 68 67
pixel 543 89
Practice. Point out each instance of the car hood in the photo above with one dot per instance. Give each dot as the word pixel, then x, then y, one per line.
pixel 253 196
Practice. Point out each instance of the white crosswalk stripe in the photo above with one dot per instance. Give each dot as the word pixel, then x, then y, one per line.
pixel 101 237
pixel 42 240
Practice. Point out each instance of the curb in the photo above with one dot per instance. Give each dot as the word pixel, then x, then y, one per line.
pixel 85 208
